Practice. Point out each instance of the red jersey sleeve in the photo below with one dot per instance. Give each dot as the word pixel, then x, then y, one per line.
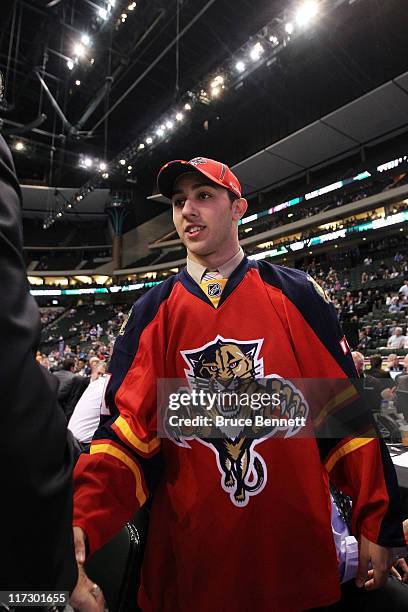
pixel 124 462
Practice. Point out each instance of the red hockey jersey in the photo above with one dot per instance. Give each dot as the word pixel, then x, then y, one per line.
pixel 210 545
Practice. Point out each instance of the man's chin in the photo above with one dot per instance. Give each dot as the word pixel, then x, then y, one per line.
pixel 196 248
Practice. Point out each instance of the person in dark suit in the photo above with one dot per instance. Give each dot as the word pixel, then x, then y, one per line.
pixel 376 368
pixel 35 454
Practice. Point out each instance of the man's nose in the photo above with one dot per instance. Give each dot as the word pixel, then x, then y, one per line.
pixel 189 207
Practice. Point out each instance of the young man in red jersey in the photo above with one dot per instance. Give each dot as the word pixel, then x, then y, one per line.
pixel 229 515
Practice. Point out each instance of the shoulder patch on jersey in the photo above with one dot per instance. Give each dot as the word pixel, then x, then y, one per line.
pixel 318 288
pixel 125 322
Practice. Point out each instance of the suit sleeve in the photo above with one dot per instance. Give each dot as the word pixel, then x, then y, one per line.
pixel 357 463
pixel 35 457
pixel 115 479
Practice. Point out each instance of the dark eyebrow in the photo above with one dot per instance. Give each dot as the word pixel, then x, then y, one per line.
pixel 196 186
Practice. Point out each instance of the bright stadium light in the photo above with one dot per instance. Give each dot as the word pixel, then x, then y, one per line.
pixel 102 166
pixel 187 106
pixel 85 40
pixel 122 162
pixel 240 66
pixel 103 13
pixel 219 80
pixel 306 12
pixel 169 125
pixel 179 116
pixel 79 50
pixel 105 175
pixel 70 64
pixel 289 28
pixel 88 162
pixel 19 146
pixel 149 140
pixel 274 40
pixel 256 52
pixel 141 146
pixel 159 132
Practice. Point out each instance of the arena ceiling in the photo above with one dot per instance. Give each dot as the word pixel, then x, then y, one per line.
pixel 133 72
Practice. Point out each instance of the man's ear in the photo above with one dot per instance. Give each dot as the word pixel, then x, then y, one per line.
pixel 239 208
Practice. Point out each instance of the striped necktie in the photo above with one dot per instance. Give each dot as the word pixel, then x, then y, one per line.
pixel 211 275
pixel 213 284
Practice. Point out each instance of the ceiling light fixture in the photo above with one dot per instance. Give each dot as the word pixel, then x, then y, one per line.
pixel 85 40
pixel 256 52
pixel 79 50
pixel 306 12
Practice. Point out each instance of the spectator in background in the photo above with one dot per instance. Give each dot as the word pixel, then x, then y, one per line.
pixel 89 409
pixel 397 340
pixel 393 363
pixel 405 370
pixel 396 305
pixel 93 362
pixel 71 386
pixel 379 332
pixel 372 386
pixel 364 341
pixel 404 290
pixel 376 368
pixel 81 367
pixel 391 329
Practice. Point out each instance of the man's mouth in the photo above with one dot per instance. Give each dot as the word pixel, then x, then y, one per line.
pixel 193 231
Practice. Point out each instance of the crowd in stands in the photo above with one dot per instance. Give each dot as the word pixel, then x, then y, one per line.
pixel 330 201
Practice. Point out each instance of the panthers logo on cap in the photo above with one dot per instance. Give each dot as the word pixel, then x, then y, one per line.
pixel 197 161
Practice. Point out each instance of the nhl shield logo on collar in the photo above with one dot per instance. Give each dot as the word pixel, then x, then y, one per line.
pixel 214 289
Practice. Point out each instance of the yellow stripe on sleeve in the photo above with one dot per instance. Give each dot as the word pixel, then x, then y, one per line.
pixel 134 441
pixel 344 396
pixel 344 450
pixel 108 449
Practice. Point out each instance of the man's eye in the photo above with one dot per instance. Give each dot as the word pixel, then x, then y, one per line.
pixel 178 203
pixel 203 195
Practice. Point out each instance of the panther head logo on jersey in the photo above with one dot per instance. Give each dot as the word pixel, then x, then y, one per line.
pixel 227 361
